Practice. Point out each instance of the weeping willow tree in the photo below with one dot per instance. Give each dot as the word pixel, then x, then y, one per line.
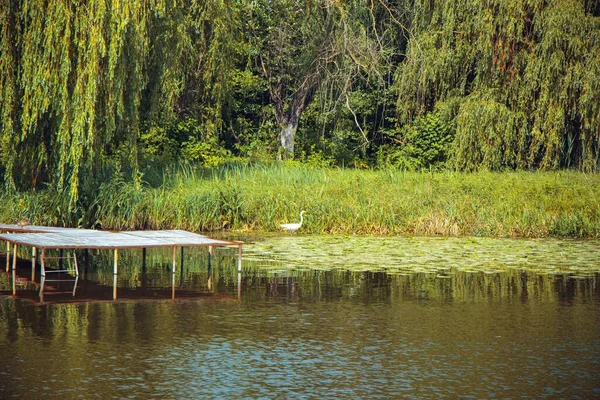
pixel 526 75
pixel 195 49
pixel 79 77
pixel 73 72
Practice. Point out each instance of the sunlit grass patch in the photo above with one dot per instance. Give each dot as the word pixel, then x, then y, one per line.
pixel 260 197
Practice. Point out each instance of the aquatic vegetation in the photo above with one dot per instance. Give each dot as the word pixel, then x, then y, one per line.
pixel 432 255
pixel 375 267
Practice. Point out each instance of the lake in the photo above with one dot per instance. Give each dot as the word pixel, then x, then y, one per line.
pixel 314 317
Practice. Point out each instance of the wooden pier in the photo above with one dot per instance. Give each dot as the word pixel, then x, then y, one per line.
pixel 43 238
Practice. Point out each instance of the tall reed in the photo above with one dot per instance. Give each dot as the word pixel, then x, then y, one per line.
pixel 338 201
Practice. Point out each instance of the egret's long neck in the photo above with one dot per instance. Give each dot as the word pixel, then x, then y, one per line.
pixel 301 217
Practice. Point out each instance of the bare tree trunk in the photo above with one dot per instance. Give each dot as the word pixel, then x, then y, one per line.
pixel 289 117
pixel 288 109
pixel 287 134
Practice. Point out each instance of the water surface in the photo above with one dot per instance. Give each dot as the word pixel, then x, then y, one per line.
pixel 322 317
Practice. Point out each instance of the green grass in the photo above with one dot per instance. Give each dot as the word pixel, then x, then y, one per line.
pixel 337 201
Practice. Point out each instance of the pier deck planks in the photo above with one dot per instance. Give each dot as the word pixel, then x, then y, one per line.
pixel 43 237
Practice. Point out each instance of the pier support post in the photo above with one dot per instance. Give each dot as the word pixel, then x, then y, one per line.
pixel 210 252
pixel 76 263
pixel 173 271
pixel 75 285
pixel 43 264
pixel 181 269
pixel 114 287
pixel 41 293
pixel 33 256
pixel 115 273
pixel 239 258
pixel 116 262
pixel 14 270
pixel 7 256
pixel 239 286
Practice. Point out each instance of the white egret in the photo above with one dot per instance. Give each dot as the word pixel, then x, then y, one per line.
pixel 293 227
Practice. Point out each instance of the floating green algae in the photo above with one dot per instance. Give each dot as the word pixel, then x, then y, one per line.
pixel 439 255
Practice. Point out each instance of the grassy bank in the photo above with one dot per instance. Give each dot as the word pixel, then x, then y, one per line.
pixel 337 201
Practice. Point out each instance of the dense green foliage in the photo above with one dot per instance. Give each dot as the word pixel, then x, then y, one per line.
pixel 338 201
pixel 71 82
pixel 527 75
pixel 95 90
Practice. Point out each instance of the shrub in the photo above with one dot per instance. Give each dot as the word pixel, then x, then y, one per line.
pixel 425 143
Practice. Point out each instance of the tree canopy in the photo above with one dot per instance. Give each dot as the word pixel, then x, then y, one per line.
pixel 524 77
pixel 467 84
